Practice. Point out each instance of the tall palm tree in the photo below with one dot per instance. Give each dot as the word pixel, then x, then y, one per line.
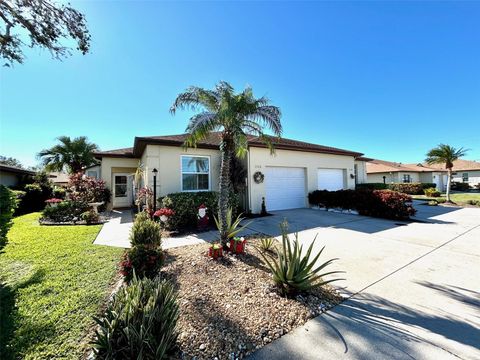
pixel 235 116
pixel 445 154
pixel 72 154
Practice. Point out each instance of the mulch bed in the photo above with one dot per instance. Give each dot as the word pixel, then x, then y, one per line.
pixel 229 307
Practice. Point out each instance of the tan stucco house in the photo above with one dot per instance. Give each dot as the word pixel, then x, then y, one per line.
pixel 381 171
pixel 289 175
pixel 12 176
pixel 466 171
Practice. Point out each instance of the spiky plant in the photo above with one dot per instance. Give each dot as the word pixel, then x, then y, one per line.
pixel 232 226
pixel 445 154
pixel 294 271
pixel 236 116
pixel 267 243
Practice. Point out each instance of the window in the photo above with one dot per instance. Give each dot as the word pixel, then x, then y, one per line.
pixel 465 177
pixel 120 186
pixel 92 173
pixel 195 173
pixel 406 178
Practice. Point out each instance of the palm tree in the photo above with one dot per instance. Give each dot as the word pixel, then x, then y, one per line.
pixel 74 155
pixel 445 154
pixel 235 116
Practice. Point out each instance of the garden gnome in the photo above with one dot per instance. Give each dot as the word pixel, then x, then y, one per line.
pixel 202 217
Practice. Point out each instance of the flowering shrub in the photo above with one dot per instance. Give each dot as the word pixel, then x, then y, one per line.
pixel 85 189
pixel 377 203
pixel 145 261
pixel 164 212
pixel 53 201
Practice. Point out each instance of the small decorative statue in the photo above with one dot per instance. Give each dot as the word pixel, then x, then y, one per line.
pixel 202 216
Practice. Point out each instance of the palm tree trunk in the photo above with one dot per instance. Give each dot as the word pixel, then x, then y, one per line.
pixel 449 182
pixel 224 192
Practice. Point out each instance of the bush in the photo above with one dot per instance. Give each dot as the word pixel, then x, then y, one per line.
pixel 371 186
pixel 428 185
pixel 59 192
pixel 377 203
pixel 473 202
pixel 142 216
pixel 407 188
pixel 66 211
pixel 146 232
pixel 293 270
pixel 140 322
pixel 87 189
pixel 8 204
pixel 185 205
pixel 90 217
pixel 432 192
pixel 142 260
pixel 459 186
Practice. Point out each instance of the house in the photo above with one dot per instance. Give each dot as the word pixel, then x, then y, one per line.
pixel 12 176
pixel 381 171
pixel 466 171
pixel 284 179
pixel 58 178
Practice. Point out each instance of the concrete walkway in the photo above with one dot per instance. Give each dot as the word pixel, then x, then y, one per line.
pixel 413 288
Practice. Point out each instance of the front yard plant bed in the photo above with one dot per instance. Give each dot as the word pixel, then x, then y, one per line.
pixel 48 222
pixel 229 307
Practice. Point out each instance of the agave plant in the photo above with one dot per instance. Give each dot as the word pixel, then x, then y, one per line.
pixel 292 270
pixel 267 243
pixel 140 322
pixel 233 226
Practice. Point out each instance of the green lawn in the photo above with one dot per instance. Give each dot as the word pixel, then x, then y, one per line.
pixel 460 199
pixel 52 280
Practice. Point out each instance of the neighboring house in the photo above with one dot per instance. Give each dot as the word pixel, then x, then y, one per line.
pixel 290 174
pixel 12 176
pixel 465 171
pixel 380 171
pixel 59 178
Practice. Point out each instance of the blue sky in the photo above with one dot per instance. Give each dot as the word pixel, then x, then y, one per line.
pixel 388 79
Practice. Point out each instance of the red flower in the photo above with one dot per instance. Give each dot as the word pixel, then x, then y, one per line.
pixel 164 212
pixel 53 201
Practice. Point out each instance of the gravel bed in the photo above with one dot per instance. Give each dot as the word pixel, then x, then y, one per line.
pixel 229 307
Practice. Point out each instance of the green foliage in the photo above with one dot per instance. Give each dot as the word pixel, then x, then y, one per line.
pixel 54 279
pixel 460 186
pixel 407 188
pixel 233 226
pixel 445 154
pixel 59 192
pixel 146 232
pixel 8 204
pixel 473 202
pixel 267 243
pixel 186 204
pixel 35 194
pixel 293 270
pixel 66 211
pixel 140 322
pixel 142 260
pixel 142 216
pixel 90 217
pixel 432 192
pixel 371 186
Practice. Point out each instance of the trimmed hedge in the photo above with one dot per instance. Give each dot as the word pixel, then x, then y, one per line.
pixel 406 188
pixel 376 203
pixel 185 205
pixel 459 186
pixel 8 204
pixel 372 186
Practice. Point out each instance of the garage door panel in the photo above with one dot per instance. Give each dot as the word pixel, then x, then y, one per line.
pixel 285 188
pixel 330 179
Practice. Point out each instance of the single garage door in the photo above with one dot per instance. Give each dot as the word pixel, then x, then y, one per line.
pixel 330 179
pixel 285 188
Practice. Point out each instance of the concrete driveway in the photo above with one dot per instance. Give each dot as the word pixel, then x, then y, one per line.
pixel 413 288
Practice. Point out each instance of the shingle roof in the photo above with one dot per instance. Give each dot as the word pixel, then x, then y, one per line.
pixel 460 165
pixel 213 141
pixel 125 152
pixel 15 169
pixel 381 166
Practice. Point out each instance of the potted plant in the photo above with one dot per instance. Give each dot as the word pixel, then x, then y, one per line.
pixel 163 214
pixel 215 251
pixel 53 202
pixel 237 245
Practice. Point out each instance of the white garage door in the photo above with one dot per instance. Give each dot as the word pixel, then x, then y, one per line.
pixel 330 179
pixel 285 188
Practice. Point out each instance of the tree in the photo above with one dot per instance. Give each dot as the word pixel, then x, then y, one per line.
pixel 236 116
pixel 10 161
pixel 74 155
pixel 445 154
pixel 45 23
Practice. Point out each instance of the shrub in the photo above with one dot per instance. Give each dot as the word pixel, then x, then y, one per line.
pixel 8 204
pixel 267 243
pixel 371 186
pixel 185 205
pixel 407 188
pixel 233 225
pixel 86 189
pixel 459 186
pixel 59 192
pixel 66 211
pixel 142 260
pixel 142 216
pixel 140 322
pixel 377 203
pixel 432 192
pixel 146 232
pixel 90 217
pixel 428 185
pixel 473 202
pixel 293 270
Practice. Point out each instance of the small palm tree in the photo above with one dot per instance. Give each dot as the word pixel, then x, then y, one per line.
pixel 74 155
pixel 445 154
pixel 235 115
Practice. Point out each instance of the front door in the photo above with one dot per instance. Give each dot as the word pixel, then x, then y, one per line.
pixel 122 190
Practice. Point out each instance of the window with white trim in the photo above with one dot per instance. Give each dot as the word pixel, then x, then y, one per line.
pixel 92 173
pixel 195 173
pixel 406 178
pixel 465 177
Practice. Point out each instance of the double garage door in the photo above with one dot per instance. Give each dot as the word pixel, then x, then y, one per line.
pixel 285 187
